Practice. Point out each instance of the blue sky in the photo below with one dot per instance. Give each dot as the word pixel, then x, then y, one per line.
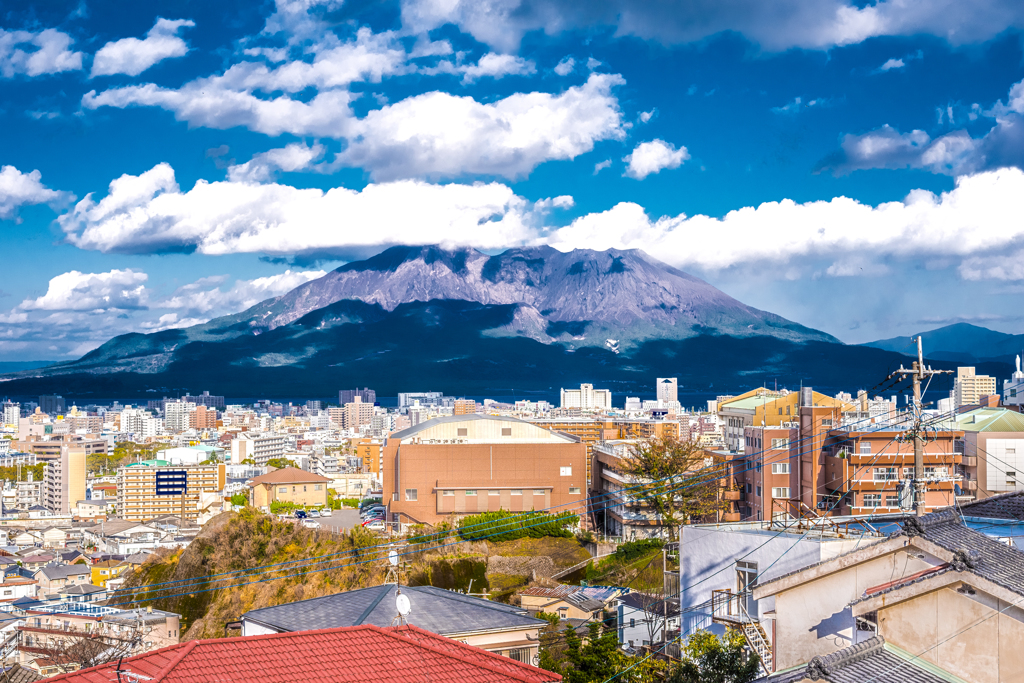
pixel 853 167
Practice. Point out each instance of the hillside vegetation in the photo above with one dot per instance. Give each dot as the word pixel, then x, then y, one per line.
pixel 245 561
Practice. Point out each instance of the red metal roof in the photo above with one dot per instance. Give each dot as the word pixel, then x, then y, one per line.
pixel 905 579
pixel 353 653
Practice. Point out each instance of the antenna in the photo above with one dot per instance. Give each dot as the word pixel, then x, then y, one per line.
pixel 391 569
pixel 403 606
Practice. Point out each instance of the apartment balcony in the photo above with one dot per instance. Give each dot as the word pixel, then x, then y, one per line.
pixel 732 495
pixel 969 461
pixel 731 516
pixel 729 608
pixel 970 485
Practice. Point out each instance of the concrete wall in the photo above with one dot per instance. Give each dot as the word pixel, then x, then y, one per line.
pixel 962 634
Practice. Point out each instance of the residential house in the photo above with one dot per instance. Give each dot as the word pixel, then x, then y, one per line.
pixel 642 619
pixel 993 451
pixel 123 537
pixel 37 560
pixel 16 586
pixel 27 539
pixel 493 626
pixel 289 485
pixel 398 654
pixel 570 602
pixel 54 577
pixel 102 572
pixel 937 598
pixel 54 537
pixel 82 592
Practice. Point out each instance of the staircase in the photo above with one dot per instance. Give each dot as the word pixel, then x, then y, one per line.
pixel 730 608
pixel 757 639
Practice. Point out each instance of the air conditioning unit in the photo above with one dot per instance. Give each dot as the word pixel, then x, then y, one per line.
pixel 822 505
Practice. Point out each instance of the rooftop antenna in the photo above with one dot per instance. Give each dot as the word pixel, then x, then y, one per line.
pixel 403 606
pixel 391 569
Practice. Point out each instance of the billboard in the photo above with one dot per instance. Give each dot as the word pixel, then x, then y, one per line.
pixel 171 482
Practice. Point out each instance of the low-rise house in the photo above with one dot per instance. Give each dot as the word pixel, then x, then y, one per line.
pixel 27 539
pixel 570 602
pixel 54 538
pixel 399 654
pixel 14 587
pixel 642 619
pixel 124 537
pixel 93 509
pixel 37 560
pixel 82 592
pixel 102 572
pixel 289 485
pixel 493 626
pixel 936 599
pixel 55 577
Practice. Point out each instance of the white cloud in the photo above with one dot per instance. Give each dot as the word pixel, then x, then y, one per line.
pixel 560 202
pixel 601 165
pixel 133 56
pixel 776 26
pixel 76 291
pixel 149 213
pixel 970 222
pixel 440 135
pixel 565 66
pixel 891 64
pixel 895 64
pixel 593 63
pixel 498 66
pixel 646 116
pixel 797 104
pixel 264 166
pixel 205 298
pixel 51 53
pixel 300 20
pixel 653 157
pixel 19 189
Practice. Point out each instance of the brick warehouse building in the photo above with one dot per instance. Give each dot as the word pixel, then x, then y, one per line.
pixel 461 465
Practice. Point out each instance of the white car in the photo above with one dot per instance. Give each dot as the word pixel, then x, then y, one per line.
pixel 314 513
pixel 310 524
pixel 326 512
pixel 375 525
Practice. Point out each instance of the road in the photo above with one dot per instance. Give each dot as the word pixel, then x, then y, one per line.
pixel 340 520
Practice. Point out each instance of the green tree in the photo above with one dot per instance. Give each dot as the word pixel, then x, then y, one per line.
pixel 592 659
pixel 239 499
pixel 280 463
pixel 707 658
pixel 677 479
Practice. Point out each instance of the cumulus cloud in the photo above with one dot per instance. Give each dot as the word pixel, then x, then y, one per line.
pixel 798 104
pixel 76 291
pixel 969 223
pixel 493 65
pixel 440 135
pixel 133 56
pixel 565 66
pixel 19 189
pixel 28 53
pixel 654 157
pixel 895 64
pixel 265 166
pixel 954 153
pixel 204 298
pixel 150 213
pixel 776 26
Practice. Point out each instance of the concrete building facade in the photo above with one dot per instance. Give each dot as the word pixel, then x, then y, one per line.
pixel 137 493
pixel 64 481
pixel 968 387
pixel 587 398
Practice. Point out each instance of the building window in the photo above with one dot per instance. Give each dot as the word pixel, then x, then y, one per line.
pixel 872 500
pixel 493 492
pixel 780 443
pixel 565 471
pixel 520 655
pixel 826 422
pixel 282 489
pixel 303 488
pixel 447 493
pixel 632 622
pixel 506 431
pixel 885 474
pixel 320 487
pixel 892 501
pixel 517 492
pixel 538 492
pixel 470 492
pixel 463 431
pixel 865 448
pixel 410 494
pixel 748 487
pixel 780 492
pixel 780 468
pixel 574 489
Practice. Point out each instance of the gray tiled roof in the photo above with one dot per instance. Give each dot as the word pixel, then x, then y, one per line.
pixel 867 661
pixel 434 609
pixel 63 571
pixel 1009 506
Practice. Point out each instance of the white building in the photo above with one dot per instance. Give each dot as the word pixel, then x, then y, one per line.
pixel 968 387
pixel 259 449
pixel 1013 388
pixel 176 414
pixel 668 390
pixel 587 398
pixel 12 414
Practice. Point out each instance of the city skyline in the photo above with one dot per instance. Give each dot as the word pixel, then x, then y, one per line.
pixel 161 169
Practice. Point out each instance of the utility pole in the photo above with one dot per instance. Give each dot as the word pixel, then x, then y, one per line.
pixel 917 373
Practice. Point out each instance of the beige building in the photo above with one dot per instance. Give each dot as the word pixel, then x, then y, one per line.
pixel 140 499
pixel 938 597
pixel 968 388
pixel 289 485
pixel 64 480
pixel 259 449
pixel 569 602
pixel 461 465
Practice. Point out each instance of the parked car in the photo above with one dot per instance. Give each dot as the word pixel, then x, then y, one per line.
pixel 376 514
pixel 375 525
pixel 310 524
pixel 373 510
pixel 314 513
pixel 326 512
pixel 300 514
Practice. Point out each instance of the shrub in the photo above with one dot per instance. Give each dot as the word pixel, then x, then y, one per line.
pixel 239 499
pixel 627 552
pixel 502 525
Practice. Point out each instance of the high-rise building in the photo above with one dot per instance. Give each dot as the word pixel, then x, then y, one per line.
pixel 176 416
pixel 12 414
pixel 464 406
pixel 64 480
pixel 259 449
pixel 668 389
pixel 313 406
pixel 587 398
pixel 51 404
pixel 205 399
pixel 358 413
pixel 425 398
pixel 968 388
pixel 1013 388
pixel 202 418
pixel 366 395
pixel 139 499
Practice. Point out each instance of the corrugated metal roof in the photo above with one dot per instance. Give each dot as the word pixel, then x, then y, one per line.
pixel 990 420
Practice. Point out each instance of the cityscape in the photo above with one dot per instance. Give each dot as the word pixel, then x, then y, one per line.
pixel 512 341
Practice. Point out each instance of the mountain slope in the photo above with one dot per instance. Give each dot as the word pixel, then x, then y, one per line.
pixel 960 342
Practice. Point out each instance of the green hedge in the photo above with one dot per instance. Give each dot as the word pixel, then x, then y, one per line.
pixel 508 526
pixel 627 552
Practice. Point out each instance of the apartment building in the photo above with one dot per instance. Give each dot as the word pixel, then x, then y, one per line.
pixel 993 451
pixel 587 398
pixel 12 414
pixel 366 395
pixel 765 473
pixel 205 399
pixel 668 390
pixel 64 480
pixel 202 418
pixel 968 387
pixel 149 489
pixel 370 453
pixel 289 485
pixel 176 416
pixel 259 449
pixel 51 448
pixel 460 465
pixel 464 406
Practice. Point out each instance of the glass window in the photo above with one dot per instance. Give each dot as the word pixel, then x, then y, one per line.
pixel 872 500
pixel 319 487
pixel 517 492
pixel 892 501
pixel 494 492
pixel 780 492
pixel 282 489
pixel 574 489
pixel 865 448
pixel 538 492
pixel 780 468
pixel 410 494
pixel 885 474
pixel 780 443
pixel 470 492
pixel 447 493
pixel 565 471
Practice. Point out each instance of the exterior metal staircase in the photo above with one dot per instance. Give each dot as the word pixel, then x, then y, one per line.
pixel 730 608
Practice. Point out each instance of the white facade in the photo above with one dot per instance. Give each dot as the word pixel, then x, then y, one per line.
pixel 1013 388
pixel 587 398
pixel 260 449
pixel 1004 463
pixel 176 414
pixel 668 389
pixel 12 414
pixel 969 387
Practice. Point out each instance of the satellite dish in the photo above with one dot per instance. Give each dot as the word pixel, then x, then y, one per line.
pixel 403 604
pixel 393 559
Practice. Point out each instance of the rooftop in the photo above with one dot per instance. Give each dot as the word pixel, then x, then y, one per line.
pixel 434 609
pixel 990 420
pixel 1008 506
pixel 288 475
pixel 362 653
pixel 434 422
pixel 871 660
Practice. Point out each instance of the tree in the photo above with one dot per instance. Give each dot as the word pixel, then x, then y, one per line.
pixel 677 479
pixel 594 659
pixel 707 658
pixel 280 463
pixel 239 499
pixel 75 647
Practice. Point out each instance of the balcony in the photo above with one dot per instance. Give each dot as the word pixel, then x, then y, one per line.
pixel 730 516
pixel 729 608
pixel 969 461
pixel 732 495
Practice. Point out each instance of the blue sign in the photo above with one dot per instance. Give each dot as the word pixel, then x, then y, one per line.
pixel 171 482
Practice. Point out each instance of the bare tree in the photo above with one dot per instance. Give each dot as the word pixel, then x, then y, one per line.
pixel 677 479
pixel 73 647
